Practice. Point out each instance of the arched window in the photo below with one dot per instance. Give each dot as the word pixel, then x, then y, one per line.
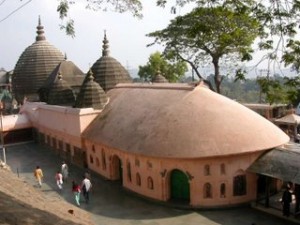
pixel 223 190
pixel 93 149
pixel 91 159
pixel 138 179
pixel 103 159
pixel 207 192
pixel 137 162
pixel 206 170
pixel 97 162
pixel 222 169
pixel 239 185
pixel 150 183
pixel 128 171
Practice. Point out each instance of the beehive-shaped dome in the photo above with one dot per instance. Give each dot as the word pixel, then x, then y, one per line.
pixel 61 93
pixel 108 72
pixel 34 66
pixel 91 95
pixel 158 78
pixel 72 75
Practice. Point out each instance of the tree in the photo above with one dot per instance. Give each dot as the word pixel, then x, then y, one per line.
pixel 210 34
pixel 170 69
pixel 121 6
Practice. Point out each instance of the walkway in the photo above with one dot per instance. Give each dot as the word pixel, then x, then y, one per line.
pixel 111 204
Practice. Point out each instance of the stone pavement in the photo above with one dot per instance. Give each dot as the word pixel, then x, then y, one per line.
pixel 110 204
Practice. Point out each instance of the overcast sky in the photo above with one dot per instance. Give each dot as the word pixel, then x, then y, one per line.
pixel 126 34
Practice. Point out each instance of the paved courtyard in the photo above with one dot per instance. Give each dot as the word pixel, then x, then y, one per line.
pixel 110 204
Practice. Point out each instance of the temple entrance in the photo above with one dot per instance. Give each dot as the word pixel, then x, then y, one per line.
pixel 180 187
pixel 117 172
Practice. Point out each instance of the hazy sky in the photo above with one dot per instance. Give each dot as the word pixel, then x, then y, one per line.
pixel 126 34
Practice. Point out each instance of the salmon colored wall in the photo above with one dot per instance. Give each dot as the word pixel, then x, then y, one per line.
pixel 63 123
pixel 160 169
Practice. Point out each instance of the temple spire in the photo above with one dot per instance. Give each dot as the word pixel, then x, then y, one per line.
pixel 40 31
pixel 105 45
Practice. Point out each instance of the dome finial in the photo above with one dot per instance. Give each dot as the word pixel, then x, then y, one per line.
pixel 59 76
pixel 90 75
pixel 105 45
pixel 40 31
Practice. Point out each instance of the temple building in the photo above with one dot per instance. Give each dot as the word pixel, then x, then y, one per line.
pixel 165 141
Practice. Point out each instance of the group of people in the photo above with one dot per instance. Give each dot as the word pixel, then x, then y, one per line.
pixel 61 177
pixel 85 188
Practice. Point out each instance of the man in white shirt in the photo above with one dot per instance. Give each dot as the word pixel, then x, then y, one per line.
pixel 64 171
pixel 86 186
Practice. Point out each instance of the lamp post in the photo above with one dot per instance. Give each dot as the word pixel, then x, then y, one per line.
pixel 2 137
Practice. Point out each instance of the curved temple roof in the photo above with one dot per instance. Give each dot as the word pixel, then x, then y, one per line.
pixel 179 121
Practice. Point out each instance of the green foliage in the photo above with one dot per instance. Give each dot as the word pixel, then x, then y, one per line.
pixel 120 6
pixel 278 90
pixel 169 67
pixel 208 34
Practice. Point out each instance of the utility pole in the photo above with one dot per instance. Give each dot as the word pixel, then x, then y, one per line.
pixel 2 134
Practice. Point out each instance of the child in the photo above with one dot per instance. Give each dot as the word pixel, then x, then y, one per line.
pixel 59 180
pixel 76 190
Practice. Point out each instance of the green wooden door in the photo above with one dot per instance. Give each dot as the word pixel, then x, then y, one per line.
pixel 180 187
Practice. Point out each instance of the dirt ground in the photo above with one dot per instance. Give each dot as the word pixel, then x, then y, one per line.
pixel 20 203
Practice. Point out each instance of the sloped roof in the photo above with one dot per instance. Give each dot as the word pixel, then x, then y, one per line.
pixel 34 66
pixel 281 163
pixel 289 119
pixel 180 121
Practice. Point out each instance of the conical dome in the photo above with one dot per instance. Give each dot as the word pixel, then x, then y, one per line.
pixel 72 75
pixel 34 66
pixel 91 95
pixel 108 72
pixel 61 93
pixel 159 78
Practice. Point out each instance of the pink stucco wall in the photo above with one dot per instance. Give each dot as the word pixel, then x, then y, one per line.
pixel 62 123
pixel 159 169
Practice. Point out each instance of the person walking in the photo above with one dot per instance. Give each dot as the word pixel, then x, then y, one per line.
pixel 286 201
pixel 59 180
pixel 297 198
pixel 38 174
pixel 65 171
pixel 76 190
pixel 86 186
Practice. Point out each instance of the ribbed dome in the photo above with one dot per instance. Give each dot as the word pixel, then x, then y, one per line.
pixel 108 71
pixel 158 78
pixel 34 66
pixel 91 95
pixel 61 93
pixel 72 75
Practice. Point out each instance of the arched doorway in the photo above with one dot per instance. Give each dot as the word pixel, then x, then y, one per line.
pixel 180 187
pixel 117 168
